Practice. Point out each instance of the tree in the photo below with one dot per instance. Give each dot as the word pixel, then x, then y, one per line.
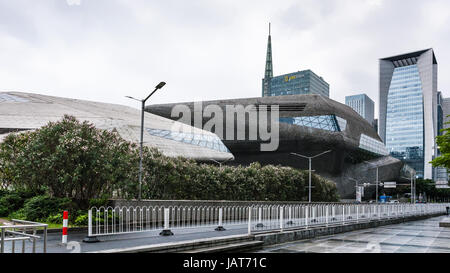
pixel 443 142
pixel 67 159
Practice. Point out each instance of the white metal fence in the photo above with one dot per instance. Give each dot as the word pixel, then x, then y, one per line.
pixel 121 220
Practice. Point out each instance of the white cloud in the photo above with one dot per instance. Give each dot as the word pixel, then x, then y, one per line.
pixel 105 49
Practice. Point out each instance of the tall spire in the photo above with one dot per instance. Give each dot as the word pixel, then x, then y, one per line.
pixel 268 75
pixel 269 67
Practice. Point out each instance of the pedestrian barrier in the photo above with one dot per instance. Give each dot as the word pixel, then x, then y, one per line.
pixel 22 231
pixel 257 218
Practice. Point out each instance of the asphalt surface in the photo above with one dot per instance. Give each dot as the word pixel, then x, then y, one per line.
pixel 76 244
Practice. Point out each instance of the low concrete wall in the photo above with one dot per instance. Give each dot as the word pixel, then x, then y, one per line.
pixel 445 222
pixel 296 235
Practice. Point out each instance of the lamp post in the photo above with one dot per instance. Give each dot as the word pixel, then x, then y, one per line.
pixel 159 86
pixel 376 182
pixel 310 159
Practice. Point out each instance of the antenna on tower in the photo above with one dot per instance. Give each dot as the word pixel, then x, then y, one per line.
pixel 269 28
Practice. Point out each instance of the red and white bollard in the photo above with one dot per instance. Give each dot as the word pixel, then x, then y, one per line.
pixel 65 222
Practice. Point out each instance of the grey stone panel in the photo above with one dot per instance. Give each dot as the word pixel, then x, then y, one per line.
pixel 386 72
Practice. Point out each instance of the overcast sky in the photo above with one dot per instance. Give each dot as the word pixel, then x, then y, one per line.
pixel 102 50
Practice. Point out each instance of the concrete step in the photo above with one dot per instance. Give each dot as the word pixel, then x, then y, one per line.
pixel 445 222
pixel 235 247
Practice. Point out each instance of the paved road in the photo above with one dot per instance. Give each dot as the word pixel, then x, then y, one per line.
pixel 123 241
pixel 424 236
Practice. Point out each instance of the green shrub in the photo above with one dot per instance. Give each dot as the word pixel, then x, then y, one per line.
pixel 55 218
pixel 3 193
pixel 39 208
pixel 10 203
pixel 82 220
pixel 98 202
pixel 18 214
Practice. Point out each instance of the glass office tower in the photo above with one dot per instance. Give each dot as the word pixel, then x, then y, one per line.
pixel 408 109
pixel 363 105
pixel 405 117
pixel 298 83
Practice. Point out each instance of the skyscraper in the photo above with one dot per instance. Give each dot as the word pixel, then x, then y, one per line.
pixel 441 173
pixel 408 121
pixel 363 105
pixel 297 83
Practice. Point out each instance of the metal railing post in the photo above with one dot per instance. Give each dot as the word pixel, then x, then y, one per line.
pixel 281 218
pixel 220 227
pixel 249 220
pixel 90 222
pixel 314 209
pixel 260 223
pixel 306 215
pixel 333 212
pixel 2 248
pixel 326 215
pixel 290 217
pixel 343 214
pixel 357 214
pixel 45 239
pixel 166 231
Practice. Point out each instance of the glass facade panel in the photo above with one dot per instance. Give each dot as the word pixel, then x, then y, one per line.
pixel 342 123
pixel 11 98
pixel 405 117
pixel 208 141
pixel 372 145
pixel 328 122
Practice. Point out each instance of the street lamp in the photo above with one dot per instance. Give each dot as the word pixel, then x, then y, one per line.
pixel 159 86
pixel 376 182
pixel 413 186
pixel 310 159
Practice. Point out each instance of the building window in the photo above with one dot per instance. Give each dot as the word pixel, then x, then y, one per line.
pixel 372 145
pixel 208 141
pixel 328 122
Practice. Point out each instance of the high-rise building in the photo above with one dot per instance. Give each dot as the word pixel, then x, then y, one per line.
pixel 441 174
pixel 297 83
pixel 408 122
pixel 363 105
pixel 446 112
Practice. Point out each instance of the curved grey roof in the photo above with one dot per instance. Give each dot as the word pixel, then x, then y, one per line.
pixel 355 133
pixel 26 111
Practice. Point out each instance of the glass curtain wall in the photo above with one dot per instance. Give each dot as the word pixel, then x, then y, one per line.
pixel 405 117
